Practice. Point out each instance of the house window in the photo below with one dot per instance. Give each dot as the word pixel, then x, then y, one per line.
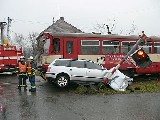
pixel 91 47
pixel 110 47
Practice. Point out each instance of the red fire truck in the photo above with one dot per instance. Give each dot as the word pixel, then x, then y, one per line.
pixel 9 56
pixel 107 50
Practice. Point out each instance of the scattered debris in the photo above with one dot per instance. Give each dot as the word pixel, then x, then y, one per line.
pixel 118 81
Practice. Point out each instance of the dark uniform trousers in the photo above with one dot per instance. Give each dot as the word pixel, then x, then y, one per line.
pixel 22 80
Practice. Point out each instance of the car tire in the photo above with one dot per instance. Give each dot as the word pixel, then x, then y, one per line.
pixel 62 80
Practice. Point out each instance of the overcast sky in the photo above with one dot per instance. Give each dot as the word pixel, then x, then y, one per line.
pixel 36 15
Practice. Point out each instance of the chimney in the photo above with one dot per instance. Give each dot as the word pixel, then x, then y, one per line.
pixel 62 18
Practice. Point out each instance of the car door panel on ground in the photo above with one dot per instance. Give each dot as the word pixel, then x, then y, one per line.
pixel 78 70
pixel 94 72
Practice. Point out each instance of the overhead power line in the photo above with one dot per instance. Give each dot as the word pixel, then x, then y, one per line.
pixel 30 21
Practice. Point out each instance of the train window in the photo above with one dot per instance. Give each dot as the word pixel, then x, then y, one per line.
pixel 90 43
pixel 90 47
pixel 46 46
pixel 147 47
pixel 69 47
pixel 56 45
pixel 157 47
pixel 127 46
pixel 110 47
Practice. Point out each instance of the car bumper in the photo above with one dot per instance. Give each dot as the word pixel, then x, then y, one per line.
pixel 50 75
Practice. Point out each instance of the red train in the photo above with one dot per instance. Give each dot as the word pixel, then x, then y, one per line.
pixel 107 50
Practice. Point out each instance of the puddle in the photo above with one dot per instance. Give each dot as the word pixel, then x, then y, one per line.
pixel 1 108
pixel 6 83
pixel 1 90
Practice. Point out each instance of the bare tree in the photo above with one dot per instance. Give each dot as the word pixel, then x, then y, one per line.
pixel 133 28
pixel 33 42
pixel 110 28
pixel 19 40
pixel 28 44
pixel 40 48
pixel 106 28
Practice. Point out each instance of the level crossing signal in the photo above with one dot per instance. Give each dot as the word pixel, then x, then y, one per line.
pixel 141 58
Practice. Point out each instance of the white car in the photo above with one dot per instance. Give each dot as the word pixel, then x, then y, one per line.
pixel 63 71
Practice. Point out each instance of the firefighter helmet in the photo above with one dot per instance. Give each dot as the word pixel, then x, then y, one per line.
pixel 31 58
pixel 22 57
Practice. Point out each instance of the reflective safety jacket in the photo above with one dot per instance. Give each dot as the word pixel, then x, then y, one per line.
pixel 21 68
pixel 31 68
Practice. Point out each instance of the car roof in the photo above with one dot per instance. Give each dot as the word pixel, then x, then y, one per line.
pixel 76 60
pixel 63 59
pixel 79 60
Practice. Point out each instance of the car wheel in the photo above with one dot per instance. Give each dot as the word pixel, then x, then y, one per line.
pixel 62 80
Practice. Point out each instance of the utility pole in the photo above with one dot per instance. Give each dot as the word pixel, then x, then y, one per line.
pixel 2 24
pixel 8 26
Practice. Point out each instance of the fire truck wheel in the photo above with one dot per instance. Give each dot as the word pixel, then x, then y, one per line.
pixel 62 80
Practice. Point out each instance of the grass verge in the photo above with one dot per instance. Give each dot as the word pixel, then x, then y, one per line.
pixel 135 87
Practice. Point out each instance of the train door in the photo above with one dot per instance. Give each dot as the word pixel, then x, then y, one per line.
pixel 70 48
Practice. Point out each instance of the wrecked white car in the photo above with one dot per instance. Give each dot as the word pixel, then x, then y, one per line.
pixel 63 71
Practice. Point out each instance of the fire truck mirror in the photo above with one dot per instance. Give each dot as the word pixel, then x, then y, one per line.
pixel 141 58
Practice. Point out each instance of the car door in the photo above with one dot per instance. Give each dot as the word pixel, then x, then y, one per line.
pixel 94 72
pixel 78 70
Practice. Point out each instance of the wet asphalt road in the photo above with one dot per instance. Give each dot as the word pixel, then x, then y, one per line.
pixel 51 103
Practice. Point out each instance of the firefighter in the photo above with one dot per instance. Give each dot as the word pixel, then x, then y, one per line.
pixel 22 73
pixel 31 66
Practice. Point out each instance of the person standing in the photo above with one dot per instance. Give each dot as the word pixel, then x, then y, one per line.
pixel 21 71
pixel 31 66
